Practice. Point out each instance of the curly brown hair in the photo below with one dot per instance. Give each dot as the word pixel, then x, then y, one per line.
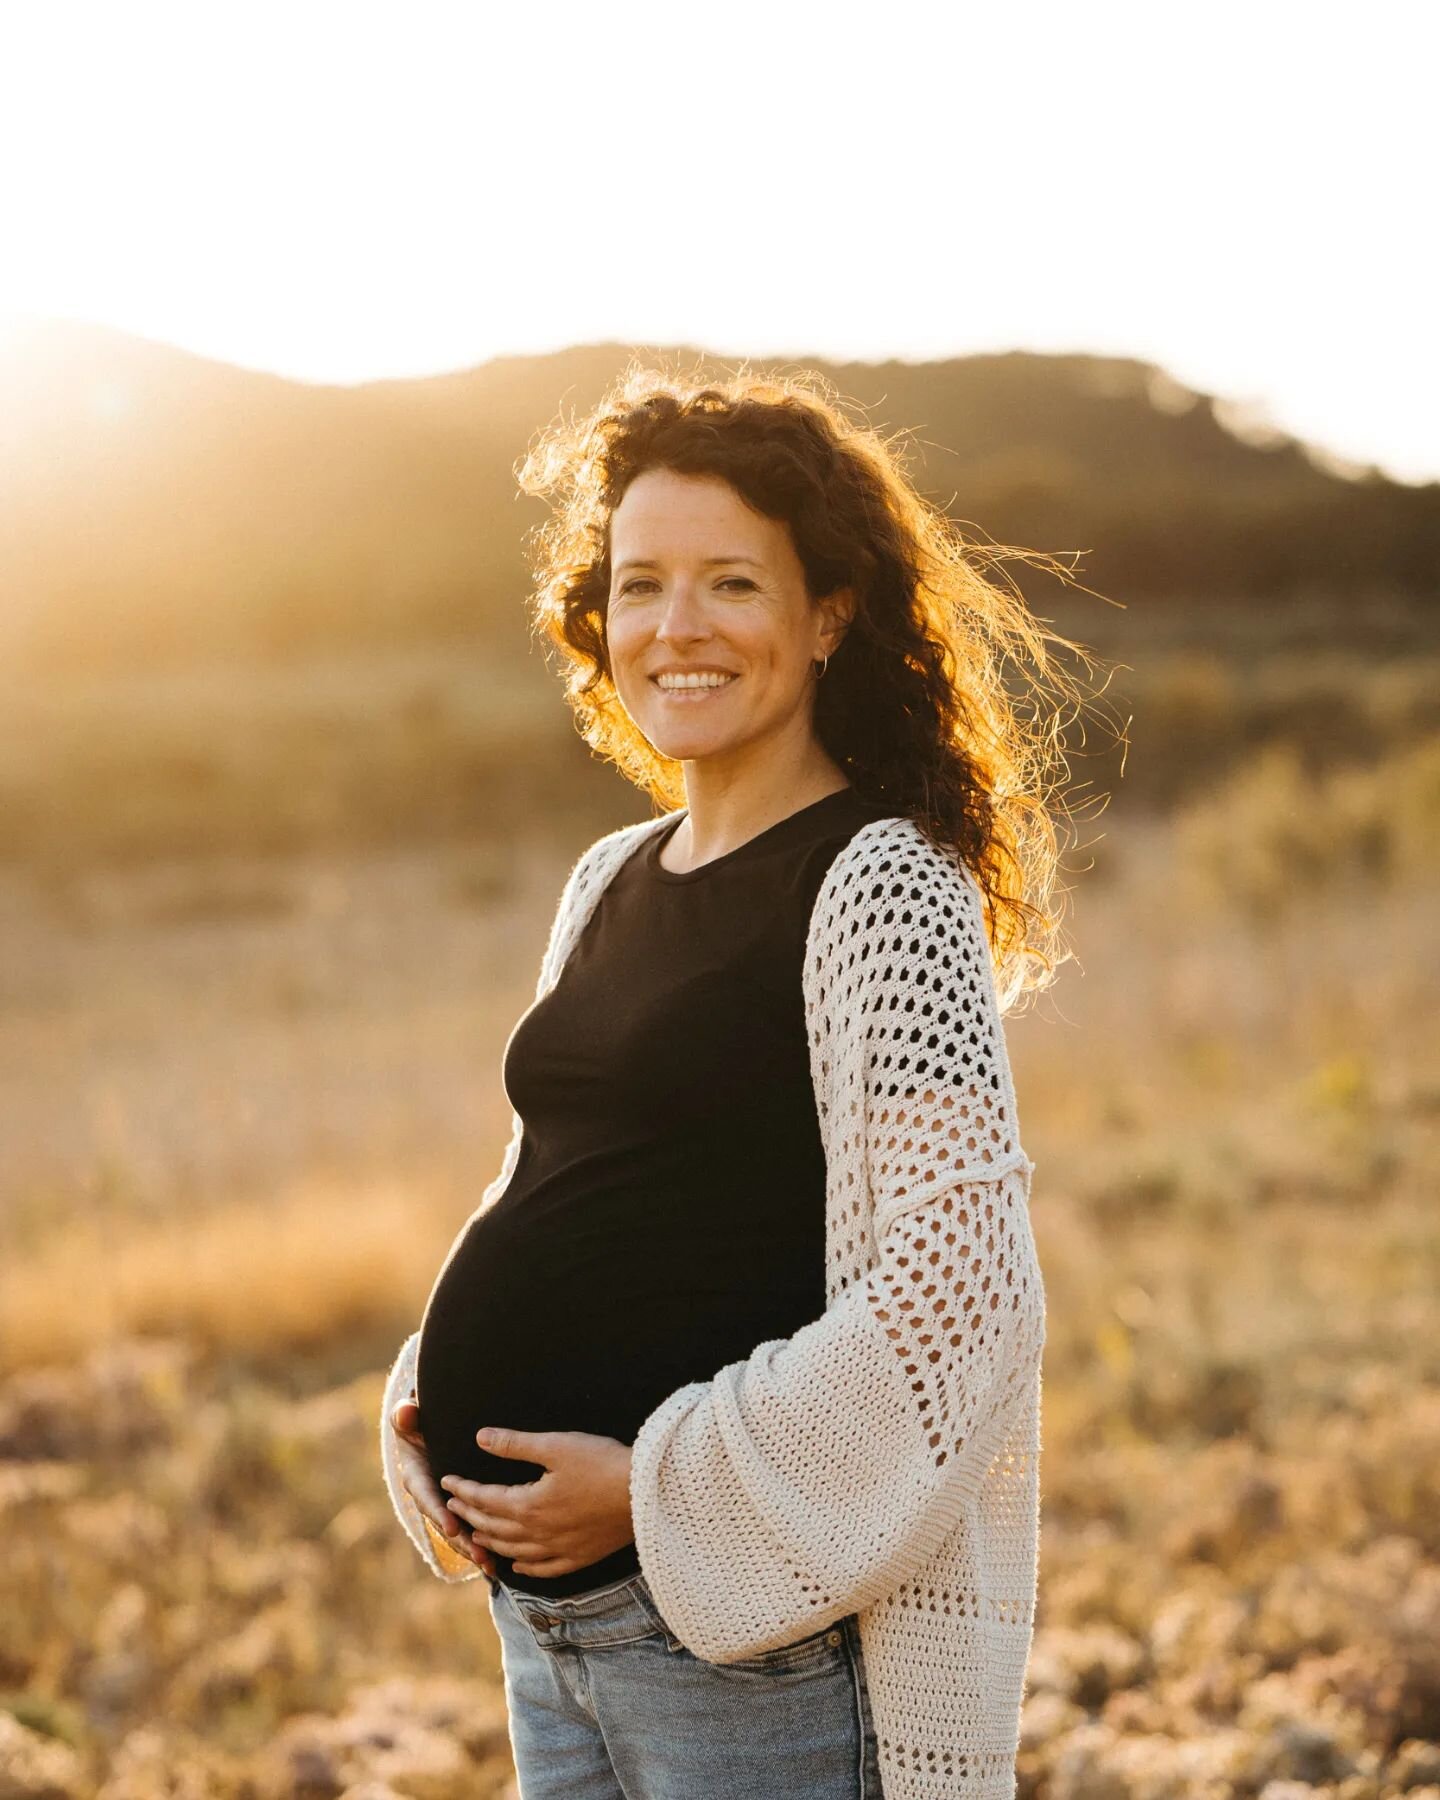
pixel 913 705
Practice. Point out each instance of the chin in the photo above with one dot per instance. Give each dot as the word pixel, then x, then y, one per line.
pixel 678 750
pixel 690 746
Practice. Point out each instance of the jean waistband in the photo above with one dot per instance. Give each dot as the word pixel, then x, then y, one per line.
pixel 594 1600
pixel 615 1613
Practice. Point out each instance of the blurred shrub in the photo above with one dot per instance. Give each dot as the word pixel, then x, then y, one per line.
pixel 1275 833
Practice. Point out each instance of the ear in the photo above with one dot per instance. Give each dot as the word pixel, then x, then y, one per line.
pixel 838 609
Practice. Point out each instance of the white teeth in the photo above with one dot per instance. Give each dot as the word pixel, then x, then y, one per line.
pixel 680 682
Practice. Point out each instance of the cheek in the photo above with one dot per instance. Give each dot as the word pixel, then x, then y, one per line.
pixel 770 652
pixel 623 643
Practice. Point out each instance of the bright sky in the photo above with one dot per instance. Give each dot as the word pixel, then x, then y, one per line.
pixel 337 192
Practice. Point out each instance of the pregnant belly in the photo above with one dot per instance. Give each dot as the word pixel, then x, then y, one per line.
pixel 535 1333
pixel 506 1342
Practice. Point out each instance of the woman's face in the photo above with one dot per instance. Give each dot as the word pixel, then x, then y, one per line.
pixel 702 584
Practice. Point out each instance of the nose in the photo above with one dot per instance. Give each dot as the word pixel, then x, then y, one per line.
pixel 682 618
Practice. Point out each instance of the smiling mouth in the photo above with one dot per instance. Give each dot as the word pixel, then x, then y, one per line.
pixel 693 692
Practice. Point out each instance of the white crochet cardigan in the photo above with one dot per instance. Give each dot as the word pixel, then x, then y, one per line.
pixel 884 1460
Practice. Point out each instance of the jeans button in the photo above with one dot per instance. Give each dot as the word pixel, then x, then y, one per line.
pixel 832 1637
pixel 542 1623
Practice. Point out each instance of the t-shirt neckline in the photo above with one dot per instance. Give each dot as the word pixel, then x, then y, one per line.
pixel 661 838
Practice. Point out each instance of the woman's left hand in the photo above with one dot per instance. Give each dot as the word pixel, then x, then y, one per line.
pixel 577 1512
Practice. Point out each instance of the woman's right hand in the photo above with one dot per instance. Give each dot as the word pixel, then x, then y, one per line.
pixel 426 1492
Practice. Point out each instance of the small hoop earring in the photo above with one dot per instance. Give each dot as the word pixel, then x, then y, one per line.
pixel 825 664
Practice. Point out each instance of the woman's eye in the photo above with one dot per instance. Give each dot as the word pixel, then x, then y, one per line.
pixel 730 581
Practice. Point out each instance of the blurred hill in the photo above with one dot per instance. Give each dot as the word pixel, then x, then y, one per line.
pixel 159 508
pixel 244 615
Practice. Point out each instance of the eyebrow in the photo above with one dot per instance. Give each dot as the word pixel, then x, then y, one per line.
pixel 710 562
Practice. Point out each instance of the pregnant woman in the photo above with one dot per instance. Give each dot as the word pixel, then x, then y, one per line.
pixel 730 1385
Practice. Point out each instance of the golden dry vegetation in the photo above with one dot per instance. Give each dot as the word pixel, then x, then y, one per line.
pixel 246 1100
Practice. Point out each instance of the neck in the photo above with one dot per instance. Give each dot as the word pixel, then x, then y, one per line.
pixel 722 812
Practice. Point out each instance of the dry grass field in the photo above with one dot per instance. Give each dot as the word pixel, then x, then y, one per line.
pixel 246 1100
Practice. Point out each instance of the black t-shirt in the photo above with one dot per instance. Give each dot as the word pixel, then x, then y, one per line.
pixel 666 1213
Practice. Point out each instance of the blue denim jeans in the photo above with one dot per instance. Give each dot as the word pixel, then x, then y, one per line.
pixel 606 1703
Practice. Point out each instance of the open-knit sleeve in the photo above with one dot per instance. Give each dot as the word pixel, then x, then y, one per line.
pixel 811 1478
pixel 450 1564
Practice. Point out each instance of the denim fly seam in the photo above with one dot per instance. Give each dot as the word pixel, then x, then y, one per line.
pixel 605 1700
